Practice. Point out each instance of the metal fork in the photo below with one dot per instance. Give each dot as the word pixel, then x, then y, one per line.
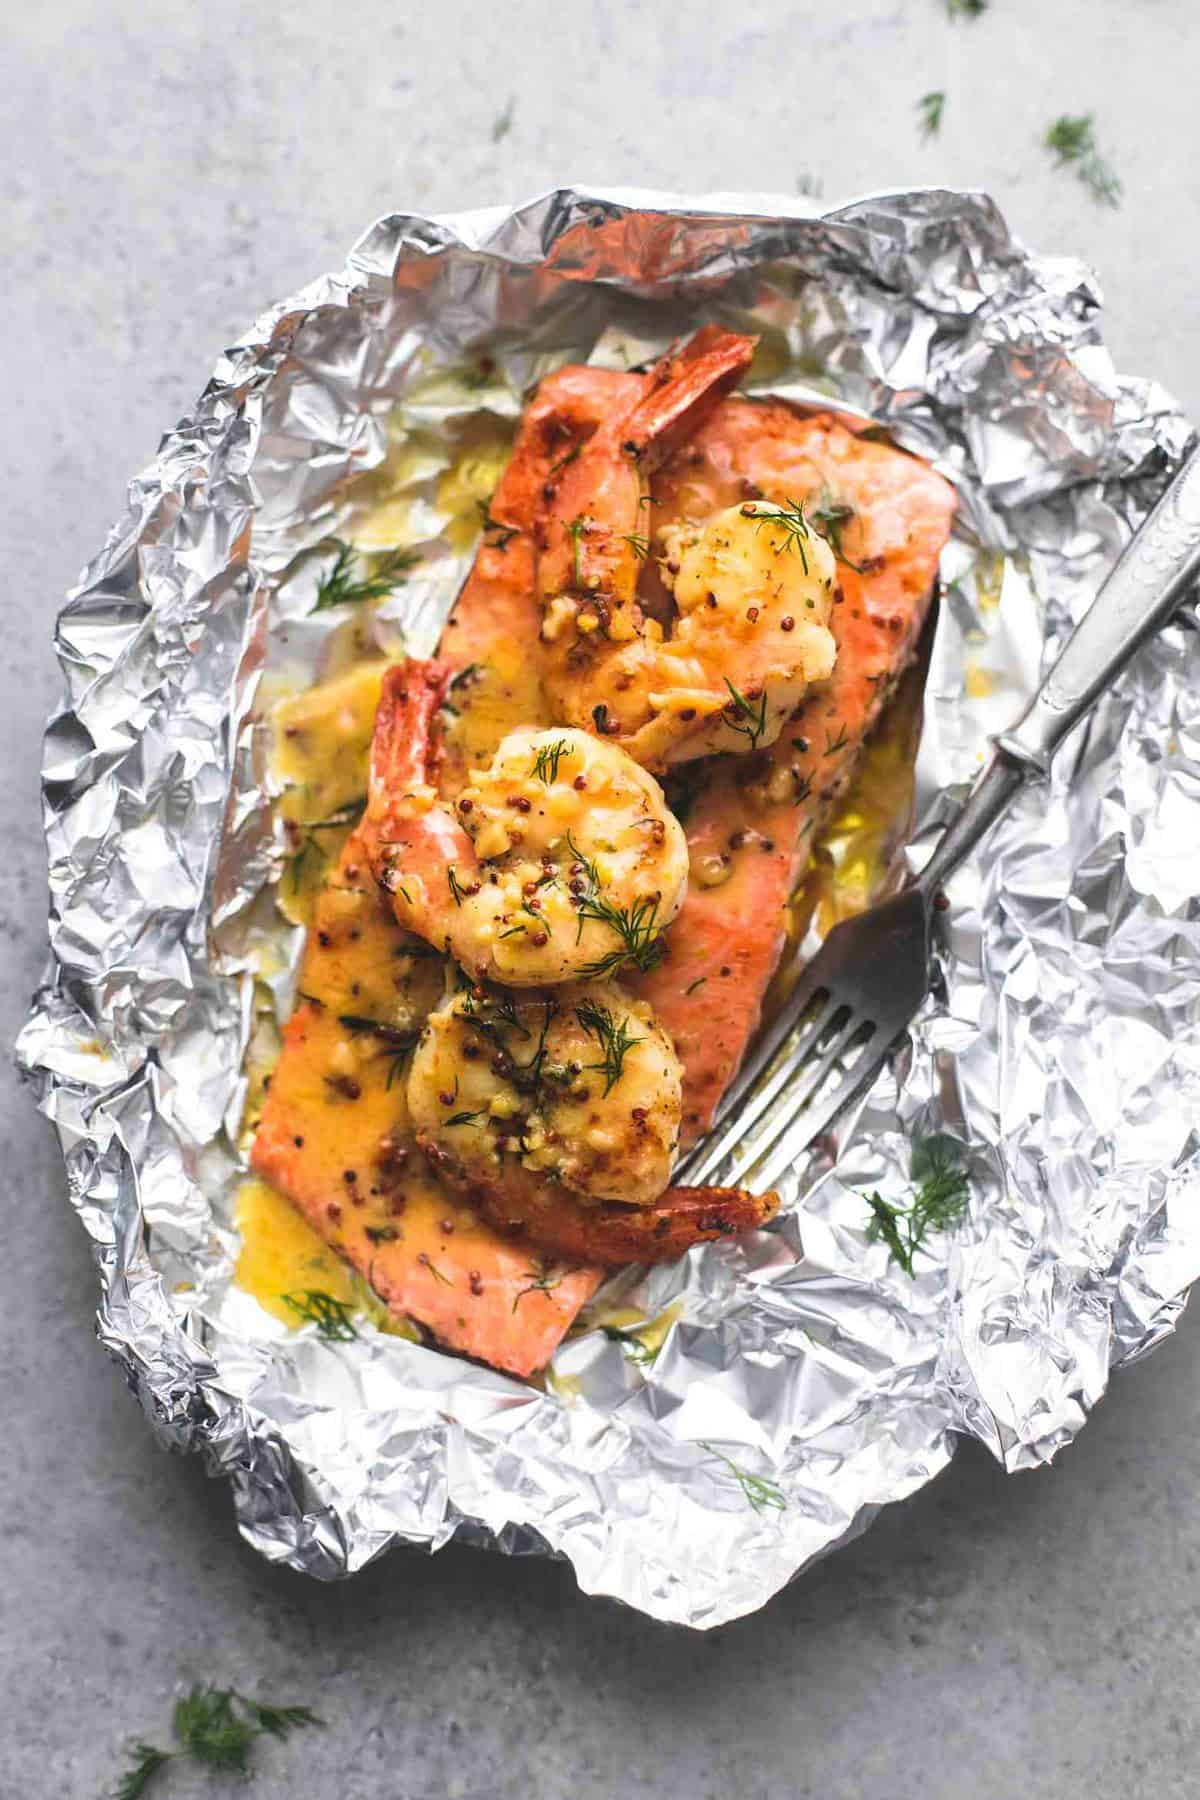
pixel 860 992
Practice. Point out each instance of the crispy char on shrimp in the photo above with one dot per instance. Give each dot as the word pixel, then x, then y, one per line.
pixel 557 1115
pixel 559 861
pixel 751 587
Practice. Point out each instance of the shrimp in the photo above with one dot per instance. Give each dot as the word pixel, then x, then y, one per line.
pixel 557 1114
pixel 752 588
pixel 560 862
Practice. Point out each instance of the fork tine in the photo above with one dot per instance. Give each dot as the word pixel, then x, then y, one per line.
pixel 699 1164
pixel 803 1082
pixel 767 1046
pixel 797 1130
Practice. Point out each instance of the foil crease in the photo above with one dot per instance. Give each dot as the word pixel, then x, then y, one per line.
pixel 1061 1048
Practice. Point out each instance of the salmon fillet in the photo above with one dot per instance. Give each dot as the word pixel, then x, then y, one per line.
pixel 333 1137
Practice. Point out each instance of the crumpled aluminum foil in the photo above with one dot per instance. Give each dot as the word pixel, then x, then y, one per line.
pixel 1063 1045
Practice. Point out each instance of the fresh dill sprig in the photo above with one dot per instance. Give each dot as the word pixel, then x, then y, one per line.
pixel 545 763
pixel 1073 142
pixel 348 814
pixel 575 531
pixel 748 721
pixel 501 1010
pixel 789 517
pixel 942 1197
pixel 212 1729
pixel 487 523
pixel 278 1721
pixel 764 1495
pixel 332 1318
pixel 458 893
pixel 217 1727
pixel 544 1277
pixel 931 106
pixel 148 1759
pixel 614 1038
pixel 340 587
pixel 637 543
pixel 635 926
pixel 397 1045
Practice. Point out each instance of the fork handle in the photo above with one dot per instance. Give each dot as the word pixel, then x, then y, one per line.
pixel 1139 595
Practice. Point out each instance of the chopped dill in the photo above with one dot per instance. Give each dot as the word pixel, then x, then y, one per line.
pixel 1073 142
pixel 467 1118
pixel 631 1343
pixel 347 814
pixel 358 1025
pixel 748 721
pixel 791 521
pixel 966 9
pixel 615 1041
pixel 332 1318
pixel 340 588
pixel 831 518
pixel 942 1197
pixel 835 743
pixel 564 462
pixel 396 1043
pixel 427 1262
pixel 486 524
pixel 542 1280
pixel 458 893
pixel 545 763
pixel 635 926
pixel 600 719
pixel 931 106
pixel 696 985
pixel 381 1234
pixel 638 544
pixel 763 1495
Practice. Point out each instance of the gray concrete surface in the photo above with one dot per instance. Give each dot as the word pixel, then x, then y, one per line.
pixel 166 171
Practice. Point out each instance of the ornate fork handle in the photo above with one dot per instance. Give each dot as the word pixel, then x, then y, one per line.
pixel 1138 597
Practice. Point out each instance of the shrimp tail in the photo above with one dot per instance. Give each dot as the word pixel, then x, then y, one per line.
pixel 403 747
pixel 417 850
pixel 607 1233
pixel 685 386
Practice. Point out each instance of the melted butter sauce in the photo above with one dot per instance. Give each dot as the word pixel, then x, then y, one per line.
pixel 322 739
pixel 852 861
pixel 282 1254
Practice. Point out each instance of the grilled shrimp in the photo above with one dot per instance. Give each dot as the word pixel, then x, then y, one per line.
pixel 559 862
pixel 558 1115
pixel 752 588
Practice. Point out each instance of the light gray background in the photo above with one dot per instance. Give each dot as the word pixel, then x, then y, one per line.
pixel 168 169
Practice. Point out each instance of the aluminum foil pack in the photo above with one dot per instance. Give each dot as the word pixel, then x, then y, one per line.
pixel 806 1379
